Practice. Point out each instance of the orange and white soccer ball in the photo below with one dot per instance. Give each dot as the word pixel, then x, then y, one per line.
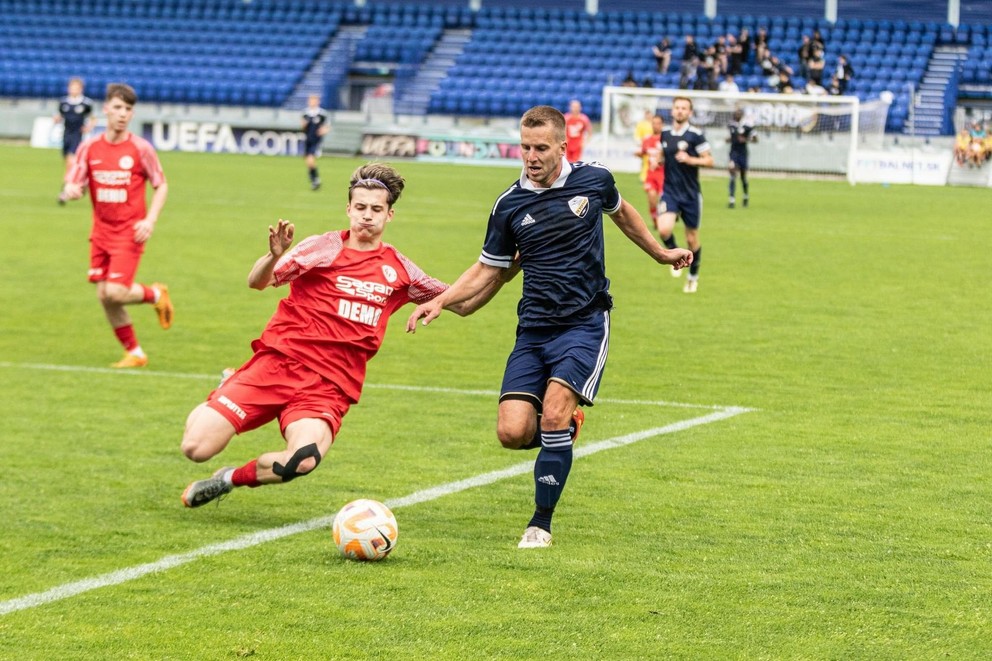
pixel 365 530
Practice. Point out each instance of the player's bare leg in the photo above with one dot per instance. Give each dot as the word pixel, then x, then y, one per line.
pixel 666 229
pixel 207 433
pixel 307 441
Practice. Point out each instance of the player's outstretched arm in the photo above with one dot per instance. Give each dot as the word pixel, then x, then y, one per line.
pixel 632 225
pixel 280 239
pixel 468 306
pixel 475 287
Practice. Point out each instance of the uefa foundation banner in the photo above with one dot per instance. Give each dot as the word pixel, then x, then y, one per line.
pixel 443 149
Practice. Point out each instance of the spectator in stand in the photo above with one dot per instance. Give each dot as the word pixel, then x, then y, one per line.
pixel 818 41
pixel 735 56
pixel 663 54
pixel 834 89
pixel 729 84
pixel 815 66
pixel 629 81
pixel 805 55
pixel 784 84
pixel 720 49
pixel 647 82
pixel 769 70
pixel 761 45
pixel 709 70
pixel 844 73
pixel 744 41
pixel 690 62
pixel 962 147
pixel 977 152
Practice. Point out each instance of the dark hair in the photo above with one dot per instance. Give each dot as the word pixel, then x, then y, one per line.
pixel 377 175
pixel 545 116
pixel 123 92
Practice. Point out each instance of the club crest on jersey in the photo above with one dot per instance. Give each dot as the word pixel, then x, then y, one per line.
pixel 579 205
pixel 389 272
pixel 126 163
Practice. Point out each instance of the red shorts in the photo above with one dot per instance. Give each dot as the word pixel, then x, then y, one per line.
pixel 271 386
pixel 655 181
pixel 115 260
pixel 573 154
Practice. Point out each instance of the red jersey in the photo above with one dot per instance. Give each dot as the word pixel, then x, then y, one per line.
pixel 340 299
pixel 116 174
pixel 576 127
pixel 651 149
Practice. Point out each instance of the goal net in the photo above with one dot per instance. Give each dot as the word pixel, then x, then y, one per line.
pixel 797 133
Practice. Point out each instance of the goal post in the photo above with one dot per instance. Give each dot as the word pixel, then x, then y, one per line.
pixel 798 134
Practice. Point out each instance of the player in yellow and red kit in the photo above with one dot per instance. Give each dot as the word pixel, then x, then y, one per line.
pixel 115 166
pixel 654 167
pixel 309 363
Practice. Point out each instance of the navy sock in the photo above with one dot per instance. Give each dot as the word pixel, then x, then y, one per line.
pixel 696 256
pixel 744 183
pixel 551 469
pixel 313 174
pixel 670 242
pixel 733 185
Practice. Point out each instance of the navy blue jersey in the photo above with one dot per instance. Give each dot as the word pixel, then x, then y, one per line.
pixel 740 136
pixel 682 179
pixel 315 118
pixel 74 111
pixel 558 232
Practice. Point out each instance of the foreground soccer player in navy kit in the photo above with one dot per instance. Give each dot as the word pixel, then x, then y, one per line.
pixel 550 224
pixel 686 150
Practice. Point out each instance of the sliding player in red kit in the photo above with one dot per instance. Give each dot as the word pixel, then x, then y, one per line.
pixel 115 166
pixel 309 364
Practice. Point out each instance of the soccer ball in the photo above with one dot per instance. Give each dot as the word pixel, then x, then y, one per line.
pixel 365 530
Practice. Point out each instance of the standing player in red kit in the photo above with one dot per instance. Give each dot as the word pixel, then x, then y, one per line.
pixel 309 363
pixel 115 167
pixel 578 128
pixel 654 173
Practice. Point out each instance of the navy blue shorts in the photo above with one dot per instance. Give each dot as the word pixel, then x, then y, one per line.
pixel 571 355
pixel 690 210
pixel 70 142
pixel 312 147
pixel 739 161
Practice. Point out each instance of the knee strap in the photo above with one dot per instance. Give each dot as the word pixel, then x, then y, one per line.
pixel 289 472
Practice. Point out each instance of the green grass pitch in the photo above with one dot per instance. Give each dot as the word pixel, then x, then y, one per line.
pixel 846 514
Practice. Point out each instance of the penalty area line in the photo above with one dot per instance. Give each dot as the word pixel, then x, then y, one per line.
pixel 120 576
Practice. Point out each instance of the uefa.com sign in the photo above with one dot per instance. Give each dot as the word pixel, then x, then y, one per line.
pixel 217 137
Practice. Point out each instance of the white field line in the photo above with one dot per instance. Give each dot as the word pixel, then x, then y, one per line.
pixel 254 539
pixel 372 386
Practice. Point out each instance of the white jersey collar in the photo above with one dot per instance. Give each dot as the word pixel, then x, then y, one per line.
pixel 527 184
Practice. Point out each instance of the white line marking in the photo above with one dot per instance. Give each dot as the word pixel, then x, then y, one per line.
pixel 373 386
pixel 254 539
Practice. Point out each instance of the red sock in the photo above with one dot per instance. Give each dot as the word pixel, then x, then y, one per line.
pixel 247 475
pixel 148 294
pixel 125 335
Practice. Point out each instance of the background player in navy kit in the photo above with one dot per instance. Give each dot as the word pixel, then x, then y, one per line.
pixel 550 224
pixel 76 113
pixel 315 126
pixel 685 150
pixel 741 134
